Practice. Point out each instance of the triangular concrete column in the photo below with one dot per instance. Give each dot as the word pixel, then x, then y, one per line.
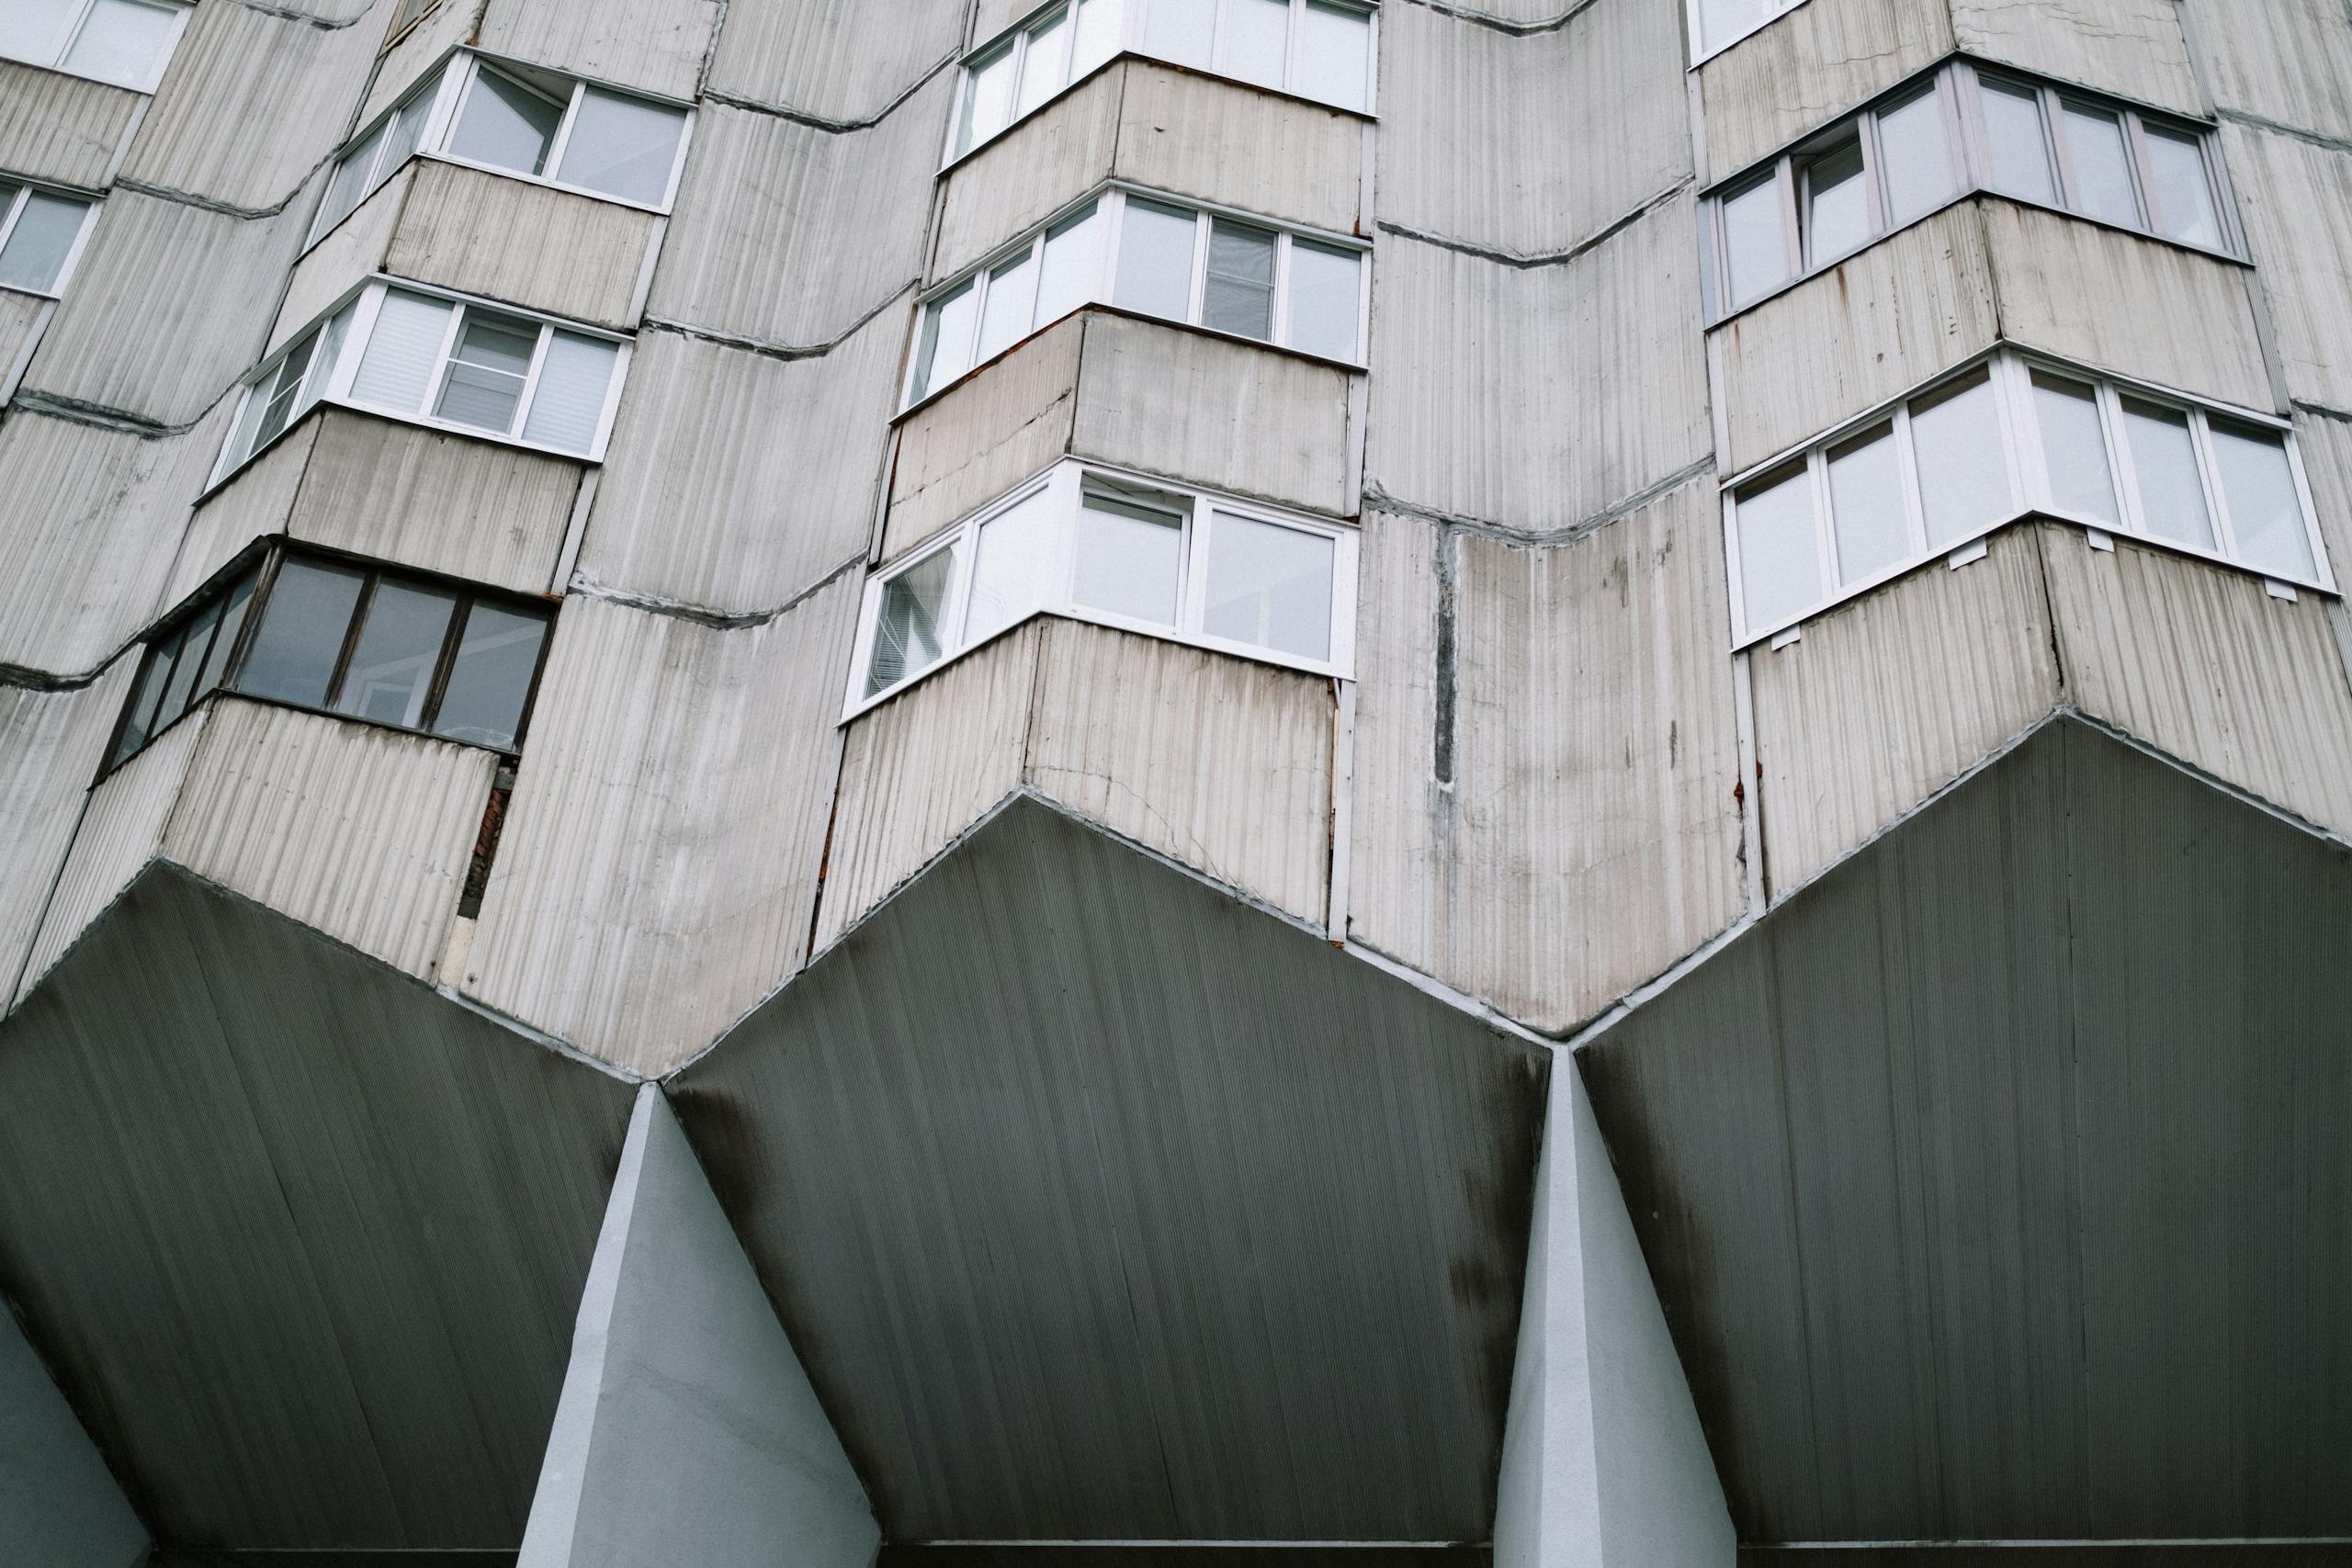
pixel 59 1505
pixel 686 1431
pixel 1604 1465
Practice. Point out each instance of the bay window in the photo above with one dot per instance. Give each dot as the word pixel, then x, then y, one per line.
pixel 40 236
pixel 124 42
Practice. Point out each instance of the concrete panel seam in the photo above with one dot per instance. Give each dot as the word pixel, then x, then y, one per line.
pixel 2293 132
pixel 818 122
pixel 74 411
pixel 777 350
pixel 1550 258
pixel 285 14
pixel 1504 24
pixel 1375 499
pixel 679 610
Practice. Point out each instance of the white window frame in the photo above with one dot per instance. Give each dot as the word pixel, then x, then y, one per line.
pixel 11 214
pixel 70 29
pixel 366 302
pixel 440 82
pixel 1704 48
pixel 1063 486
pixel 2012 371
pixel 1110 202
pixel 1956 84
pixel 1130 33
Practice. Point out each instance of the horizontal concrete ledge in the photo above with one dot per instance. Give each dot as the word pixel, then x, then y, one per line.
pixel 1185 1554
pixel 2054 1554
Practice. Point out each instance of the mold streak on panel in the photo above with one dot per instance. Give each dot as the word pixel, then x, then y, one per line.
pixel 1821 60
pixel 2131 47
pixel 1587 835
pixel 827 59
pixel 2201 663
pixel 444 28
pixel 55 127
pixel 790 236
pixel 1223 763
pixel 543 248
pixel 362 832
pixel 2286 60
pixel 2296 200
pixel 51 746
pixel 344 256
pixel 736 480
pixel 20 315
pixel 1016 181
pixel 1534 398
pixel 1223 141
pixel 1170 400
pixel 659 862
pixel 974 442
pixel 257 502
pixel 2138 306
pixel 654 44
pixel 1888 699
pixel 1843 343
pixel 1530 143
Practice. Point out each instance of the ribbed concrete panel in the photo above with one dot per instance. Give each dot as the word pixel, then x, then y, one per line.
pixel 923 767
pixel 2138 306
pixel 51 746
pixel 658 45
pixel 2286 60
pixel 343 257
pixel 527 245
pixel 2296 200
pixel 92 518
pixel 445 26
pixel 258 500
pixel 991 17
pixel 250 104
pixel 125 339
pixel 1866 330
pixel 1530 142
pixel 2326 443
pixel 736 480
pixel 1812 66
pixel 1535 397
pixel 20 315
pixel 826 59
pixel 1194 406
pixel 659 866
pixel 1888 699
pixel 974 442
pixel 1023 176
pixel 789 235
pixel 362 832
pixel 1227 142
pixel 55 127
pixel 1587 834
pixel 121 829
pixel 2131 47
pixel 2204 664
pixel 1219 763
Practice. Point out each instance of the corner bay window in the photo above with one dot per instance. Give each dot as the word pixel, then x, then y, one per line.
pixel 125 42
pixel 1227 273
pixel 440 360
pixel 1318 49
pixel 2010 435
pixel 1967 128
pixel 1139 554
pixel 41 233
pixel 345 637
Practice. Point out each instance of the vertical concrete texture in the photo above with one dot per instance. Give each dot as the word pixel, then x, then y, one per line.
pixel 687 1432
pixel 59 1507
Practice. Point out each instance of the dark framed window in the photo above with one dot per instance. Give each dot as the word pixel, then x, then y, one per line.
pixel 341 634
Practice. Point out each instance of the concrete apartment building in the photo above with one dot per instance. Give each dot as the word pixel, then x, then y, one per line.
pixel 1175 784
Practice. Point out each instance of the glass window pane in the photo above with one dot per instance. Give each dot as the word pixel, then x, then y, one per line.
pixel 489 679
pixel 1270 586
pixel 407 131
pixel 2182 188
pixel 34 29
pixel 399 645
pixel 1257 40
pixel 282 387
pixel 1837 205
pixel 248 430
pixel 2163 464
pixel 1099 23
pixel 2102 174
pixel 1011 297
pixel 487 370
pixel 140 721
pixel 2020 152
pixel 945 351
pixel 402 351
pixel 1866 505
pixel 1073 269
pixel 1722 20
pixel 300 635
pixel 1780 555
pixel 1047 70
pixel 1181 30
pixel 35 255
pixel 123 41
pixel 569 402
pixel 194 645
pixel 988 98
pixel 1961 459
pixel 1756 245
pixel 224 641
pixel 1008 570
pixel 1155 258
pixel 622 146
pixel 505 124
pixel 350 180
pixel 1335 54
pixel 2266 512
pixel 1326 298
pixel 1240 293
pixel 907 636
pixel 1918 158
pixel 1129 558
pixel 2073 452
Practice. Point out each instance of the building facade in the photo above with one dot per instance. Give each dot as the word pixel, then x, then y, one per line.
pixel 1175 784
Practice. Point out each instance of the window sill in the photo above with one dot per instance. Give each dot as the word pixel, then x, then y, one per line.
pixel 203 701
pixel 49 295
pixel 145 92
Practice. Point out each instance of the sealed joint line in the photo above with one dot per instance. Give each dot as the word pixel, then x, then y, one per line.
pixel 1527 261
pixel 819 122
pixel 1503 24
pixel 702 615
pixel 1379 499
pixel 777 350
